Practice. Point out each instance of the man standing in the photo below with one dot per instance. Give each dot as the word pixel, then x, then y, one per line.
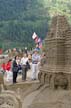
pixel 35 62
pixel 24 61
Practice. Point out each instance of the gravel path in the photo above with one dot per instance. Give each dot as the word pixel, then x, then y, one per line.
pixel 30 98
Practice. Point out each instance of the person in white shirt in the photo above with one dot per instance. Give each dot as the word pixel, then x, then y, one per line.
pixel 35 62
pixel 24 60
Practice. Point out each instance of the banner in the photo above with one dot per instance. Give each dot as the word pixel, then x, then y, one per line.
pixel 37 40
pixel 34 36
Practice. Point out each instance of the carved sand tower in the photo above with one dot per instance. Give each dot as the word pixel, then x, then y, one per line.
pixel 57 71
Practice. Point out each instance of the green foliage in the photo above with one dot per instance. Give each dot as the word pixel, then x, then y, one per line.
pixel 61 7
pixel 20 18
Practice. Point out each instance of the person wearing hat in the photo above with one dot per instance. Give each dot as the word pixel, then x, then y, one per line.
pixel 35 61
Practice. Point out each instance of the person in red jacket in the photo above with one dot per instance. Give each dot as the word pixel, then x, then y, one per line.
pixel 8 69
pixel 8 65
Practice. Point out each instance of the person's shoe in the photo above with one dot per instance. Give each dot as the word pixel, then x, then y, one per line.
pixel 15 82
pixel 33 79
pixel 23 80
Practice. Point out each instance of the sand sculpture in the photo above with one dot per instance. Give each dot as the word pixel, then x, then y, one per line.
pixel 57 71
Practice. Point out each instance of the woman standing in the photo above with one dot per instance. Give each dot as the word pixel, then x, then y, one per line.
pixel 15 69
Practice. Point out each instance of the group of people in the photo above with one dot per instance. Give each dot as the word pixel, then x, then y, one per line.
pixel 12 67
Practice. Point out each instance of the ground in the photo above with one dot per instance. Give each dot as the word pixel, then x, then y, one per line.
pixel 34 96
pixel 19 78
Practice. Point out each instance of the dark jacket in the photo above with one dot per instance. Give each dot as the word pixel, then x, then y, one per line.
pixel 14 66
